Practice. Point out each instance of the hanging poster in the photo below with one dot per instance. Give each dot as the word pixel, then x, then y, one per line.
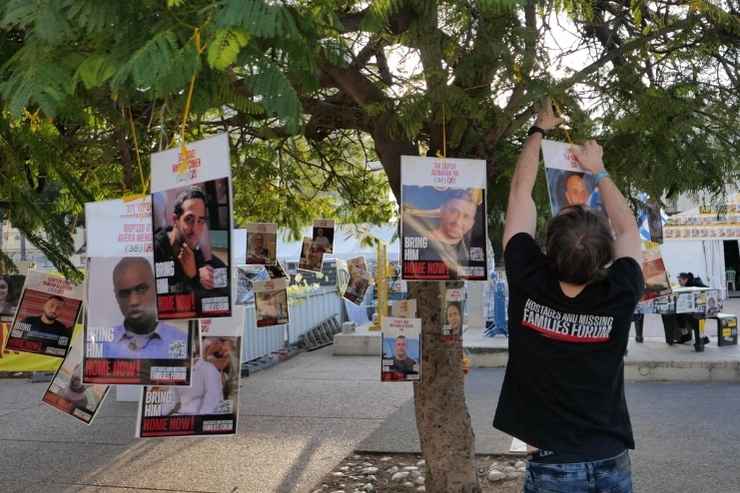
pixel 312 256
pixel 10 291
pixel 46 315
pixel 261 243
pixel 68 394
pixel 567 183
pixel 124 341
pixel 452 328
pixel 210 406
pixel 657 282
pixel 401 358
pixel 443 220
pixel 359 280
pixel 119 228
pixel 271 302
pixel 323 235
pixel 404 308
pixel 191 220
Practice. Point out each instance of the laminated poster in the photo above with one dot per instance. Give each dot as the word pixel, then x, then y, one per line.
pixel 45 318
pixel 443 220
pixel 191 221
pixel 323 235
pixel 401 358
pixel 359 280
pixel 567 183
pixel 312 256
pixel 452 328
pixel 261 244
pixel 271 302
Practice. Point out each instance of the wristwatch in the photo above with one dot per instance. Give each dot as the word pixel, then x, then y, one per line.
pixel 534 129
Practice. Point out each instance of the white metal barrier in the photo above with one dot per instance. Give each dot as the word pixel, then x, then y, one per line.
pixel 306 312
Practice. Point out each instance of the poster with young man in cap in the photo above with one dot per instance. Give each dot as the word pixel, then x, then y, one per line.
pixel 443 219
pixel 191 221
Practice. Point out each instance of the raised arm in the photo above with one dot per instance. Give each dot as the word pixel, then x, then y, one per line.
pixel 627 241
pixel 521 214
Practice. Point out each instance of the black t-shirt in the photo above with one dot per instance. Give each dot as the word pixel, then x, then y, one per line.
pixel 56 328
pixel 564 385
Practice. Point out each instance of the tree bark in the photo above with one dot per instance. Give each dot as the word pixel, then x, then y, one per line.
pixel 442 418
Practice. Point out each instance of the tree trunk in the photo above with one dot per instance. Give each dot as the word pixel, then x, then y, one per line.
pixel 442 419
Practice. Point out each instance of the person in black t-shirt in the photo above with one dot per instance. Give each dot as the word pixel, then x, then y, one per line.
pixel 401 360
pixel 570 312
pixel 47 323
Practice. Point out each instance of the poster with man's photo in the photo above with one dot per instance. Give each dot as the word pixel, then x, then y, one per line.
pixel 210 405
pixel 271 302
pixel 657 282
pixel 191 221
pixel 401 347
pixel 359 280
pixel 312 256
pixel 125 343
pixel 452 328
pixel 46 315
pixel 323 235
pixel 68 394
pixel 10 292
pixel 443 219
pixel 261 243
pixel 567 183
pixel 403 308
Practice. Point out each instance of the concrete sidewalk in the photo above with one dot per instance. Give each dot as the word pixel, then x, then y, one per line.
pixel 297 421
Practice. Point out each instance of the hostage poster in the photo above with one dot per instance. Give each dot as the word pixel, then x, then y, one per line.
pixel 359 280
pixel 191 221
pixel 11 286
pixel 271 302
pixel 567 183
pixel 443 219
pixel 68 394
pixel 452 328
pixel 261 244
pixel 45 318
pixel 401 347
pixel 210 406
pixel 657 282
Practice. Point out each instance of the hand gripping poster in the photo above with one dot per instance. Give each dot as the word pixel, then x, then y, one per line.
pixel 452 328
pixel 191 221
pixel 68 394
pixel 125 343
pixel 261 244
pixel 359 280
pixel 46 314
pixel 443 221
pixel 210 406
pixel 271 302
pixel 401 358
pixel 567 183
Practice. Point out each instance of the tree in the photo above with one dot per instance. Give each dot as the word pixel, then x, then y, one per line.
pixel 300 83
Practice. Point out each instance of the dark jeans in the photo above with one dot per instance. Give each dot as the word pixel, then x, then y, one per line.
pixel 602 476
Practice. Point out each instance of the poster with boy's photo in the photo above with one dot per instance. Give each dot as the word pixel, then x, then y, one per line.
pixel 209 406
pixel 401 349
pixel 10 290
pixel 46 315
pixel 657 282
pixel 359 280
pixel 567 183
pixel 68 394
pixel 323 235
pixel 125 343
pixel 452 327
pixel 261 243
pixel 271 302
pixel 191 220
pixel 312 256
pixel 443 219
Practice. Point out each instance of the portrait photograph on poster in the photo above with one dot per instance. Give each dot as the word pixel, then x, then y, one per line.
pixel 323 235
pixel 68 394
pixel 452 327
pixel 125 343
pixel 46 315
pixel 191 224
pixel 209 406
pixel 261 243
pixel 10 292
pixel 359 280
pixel 401 349
pixel 443 219
pixel 312 256
pixel 404 308
pixel 271 302
pixel 567 183
pixel 657 282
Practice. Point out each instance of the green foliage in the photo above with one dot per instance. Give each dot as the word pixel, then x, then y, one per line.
pixel 260 18
pixel 225 46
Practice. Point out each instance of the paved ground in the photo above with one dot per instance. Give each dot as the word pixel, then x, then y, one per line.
pixel 299 419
